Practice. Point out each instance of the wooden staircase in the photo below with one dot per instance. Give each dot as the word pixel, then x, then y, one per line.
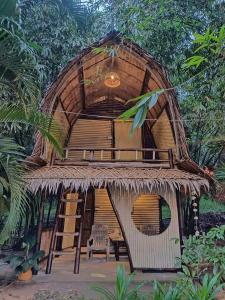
pixel 58 232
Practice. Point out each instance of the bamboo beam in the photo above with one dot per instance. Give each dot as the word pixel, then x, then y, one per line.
pixel 40 225
pixel 82 88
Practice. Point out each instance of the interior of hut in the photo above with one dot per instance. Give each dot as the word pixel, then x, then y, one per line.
pixel 151 216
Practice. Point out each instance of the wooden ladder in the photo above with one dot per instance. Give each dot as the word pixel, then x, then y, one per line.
pixel 58 232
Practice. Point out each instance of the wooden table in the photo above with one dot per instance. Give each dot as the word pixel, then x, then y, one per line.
pixel 117 243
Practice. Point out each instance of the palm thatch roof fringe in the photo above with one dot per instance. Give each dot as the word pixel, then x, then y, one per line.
pixel 133 179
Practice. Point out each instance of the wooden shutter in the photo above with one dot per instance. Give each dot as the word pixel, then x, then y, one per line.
pixel 92 134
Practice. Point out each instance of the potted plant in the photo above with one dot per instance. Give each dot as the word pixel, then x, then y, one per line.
pixel 27 262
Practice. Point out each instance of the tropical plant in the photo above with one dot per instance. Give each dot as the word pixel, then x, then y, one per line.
pixel 208 288
pixel 29 260
pixel 12 172
pixel 203 255
pixel 122 290
pixel 220 173
pixel 58 28
pixel 167 292
pixel 140 109
pixel 20 73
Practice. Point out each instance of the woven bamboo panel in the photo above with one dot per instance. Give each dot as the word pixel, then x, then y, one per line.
pixel 163 135
pixel 69 223
pixel 91 133
pixel 60 118
pixel 123 139
pixel 104 213
pixel 146 210
pixel 156 251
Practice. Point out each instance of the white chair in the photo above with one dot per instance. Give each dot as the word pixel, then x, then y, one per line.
pixel 98 241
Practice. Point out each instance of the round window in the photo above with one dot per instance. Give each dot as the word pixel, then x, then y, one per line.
pixel 151 214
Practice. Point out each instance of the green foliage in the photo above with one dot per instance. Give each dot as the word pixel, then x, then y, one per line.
pixel 206 97
pixel 30 259
pixel 202 255
pixel 122 290
pixel 165 292
pixel 220 173
pixel 207 290
pixel 59 30
pixel 140 109
pixel 20 74
pixel 211 45
pixel 12 172
pixel 207 205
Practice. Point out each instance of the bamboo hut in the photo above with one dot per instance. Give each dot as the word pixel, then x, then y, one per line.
pixel 134 183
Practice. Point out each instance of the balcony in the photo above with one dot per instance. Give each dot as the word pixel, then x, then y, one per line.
pixel 120 157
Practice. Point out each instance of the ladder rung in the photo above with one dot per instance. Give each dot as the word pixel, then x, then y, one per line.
pixel 67 233
pixel 72 201
pixel 69 216
pixel 63 252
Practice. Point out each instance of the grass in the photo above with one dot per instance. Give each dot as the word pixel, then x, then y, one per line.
pixel 207 205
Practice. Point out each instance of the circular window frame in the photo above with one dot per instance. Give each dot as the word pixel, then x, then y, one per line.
pixel 152 226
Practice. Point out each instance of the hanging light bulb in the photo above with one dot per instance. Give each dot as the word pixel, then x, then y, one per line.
pixel 112 80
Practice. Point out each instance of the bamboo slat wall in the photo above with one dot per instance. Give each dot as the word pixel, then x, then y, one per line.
pixel 163 134
pixel 124 139
pixel 91 133
pixel 157 251
pixel 146 210
pixel 104 213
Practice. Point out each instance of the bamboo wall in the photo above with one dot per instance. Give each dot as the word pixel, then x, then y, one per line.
pixel 125 139
pixel 163 134
pixel 153 252
pixel 104 213
pixel 91 133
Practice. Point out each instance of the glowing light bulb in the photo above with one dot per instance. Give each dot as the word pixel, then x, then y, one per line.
pixel 112 80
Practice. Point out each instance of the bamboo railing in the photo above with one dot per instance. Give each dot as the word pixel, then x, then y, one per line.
pixel 159 157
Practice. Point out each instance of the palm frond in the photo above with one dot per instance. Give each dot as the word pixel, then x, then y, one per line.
pixel 49 129
pixel 12 184
pixel 19 71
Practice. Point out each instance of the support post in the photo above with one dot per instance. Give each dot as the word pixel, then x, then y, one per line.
pixel 40 226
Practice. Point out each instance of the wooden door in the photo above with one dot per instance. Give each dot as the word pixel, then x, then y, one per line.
pixel 124 139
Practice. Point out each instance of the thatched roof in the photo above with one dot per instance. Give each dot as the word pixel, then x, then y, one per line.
pixel 75 177
pixel 139 73
pixel 80 85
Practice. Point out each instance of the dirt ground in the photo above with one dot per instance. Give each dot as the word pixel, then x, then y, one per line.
pixel 92 272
